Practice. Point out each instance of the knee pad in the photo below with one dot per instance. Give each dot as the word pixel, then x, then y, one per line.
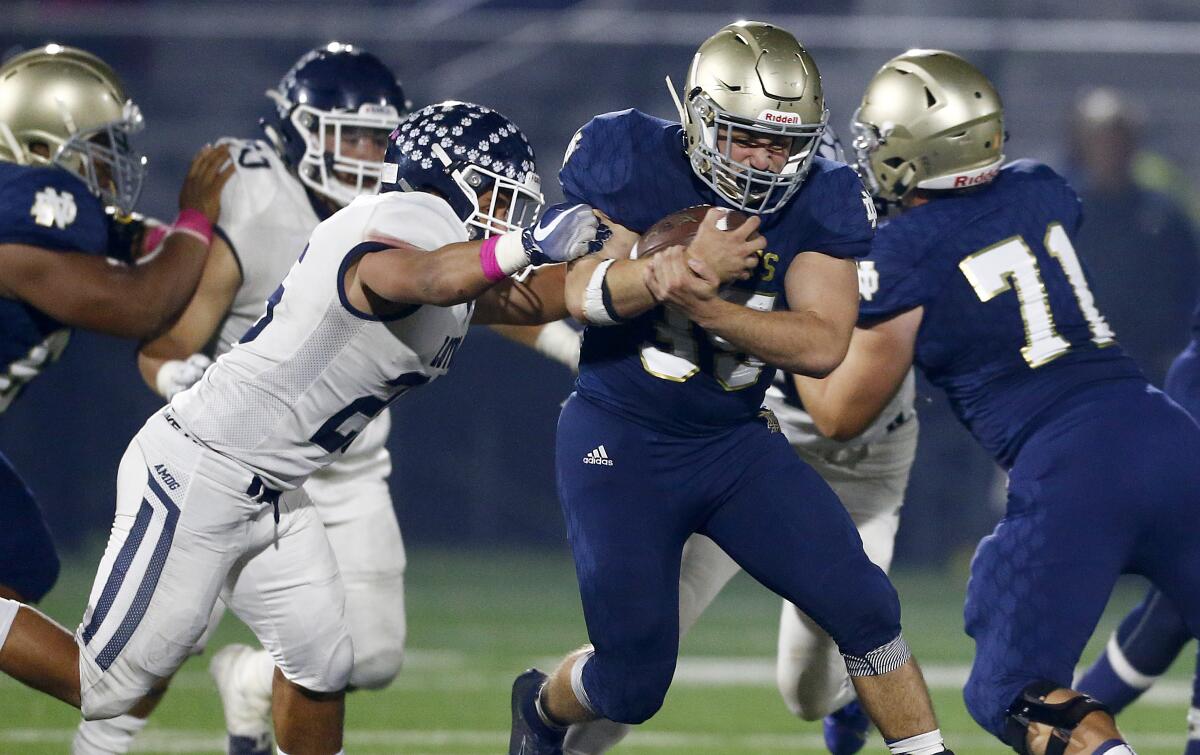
pixel 871 620
pixel 330 675
pixel 632 695
pixel 1030 708
pixel 104 701
pixel 378 668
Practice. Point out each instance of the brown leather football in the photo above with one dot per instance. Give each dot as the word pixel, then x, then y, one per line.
pixel 679 228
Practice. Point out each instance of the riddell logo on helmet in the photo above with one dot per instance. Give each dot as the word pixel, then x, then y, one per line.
pixel 965 181
pixel 778 116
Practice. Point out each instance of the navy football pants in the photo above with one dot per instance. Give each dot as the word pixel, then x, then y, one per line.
pixel 1109 486
pixel 744 488
pixel 1153 634
pixel 28 562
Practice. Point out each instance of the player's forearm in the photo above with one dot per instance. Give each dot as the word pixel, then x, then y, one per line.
pixel 839 412
pixel 453 275
pixel 158 291
pixel 622 287
pixel 802 343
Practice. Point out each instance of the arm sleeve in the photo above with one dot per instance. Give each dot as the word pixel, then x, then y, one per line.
pixel 892 278
pixel 845 214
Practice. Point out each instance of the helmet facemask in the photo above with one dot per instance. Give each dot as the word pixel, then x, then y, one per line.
pixel 332 172
pixel 104 158
pixel 744 187
pixel 865 140
pixel 513 204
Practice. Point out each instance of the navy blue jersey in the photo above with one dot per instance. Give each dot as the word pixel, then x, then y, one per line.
pixel 660 368
pixel 1009 324
pixel 50 209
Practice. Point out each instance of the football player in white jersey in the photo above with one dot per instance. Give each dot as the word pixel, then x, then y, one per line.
pixel 324 142
pixel 869 475
pixel 209 495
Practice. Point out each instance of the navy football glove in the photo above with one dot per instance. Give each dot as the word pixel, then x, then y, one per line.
pixel 563 233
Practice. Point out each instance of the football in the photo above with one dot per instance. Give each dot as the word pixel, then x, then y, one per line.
pixel 679 228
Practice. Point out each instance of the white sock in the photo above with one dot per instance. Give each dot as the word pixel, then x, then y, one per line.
pixel 1193 720
pixel 258 672
pixel 929 743
pixel 8 612
pixel 107 736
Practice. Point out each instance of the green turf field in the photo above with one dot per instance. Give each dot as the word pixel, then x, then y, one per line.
pixel 476 619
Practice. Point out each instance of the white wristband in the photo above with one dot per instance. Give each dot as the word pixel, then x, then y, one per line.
pixel 595 311
pixel 510 252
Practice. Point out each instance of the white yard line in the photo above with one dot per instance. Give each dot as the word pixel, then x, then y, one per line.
pixel 191 741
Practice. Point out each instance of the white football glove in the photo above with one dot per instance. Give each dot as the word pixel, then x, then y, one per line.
pixel 560 342
pixel 180 374
pixel 563 233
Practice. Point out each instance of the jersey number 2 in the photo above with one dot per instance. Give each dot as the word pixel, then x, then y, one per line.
pixel 1012 264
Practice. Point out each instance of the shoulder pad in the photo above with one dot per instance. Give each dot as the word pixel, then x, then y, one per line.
pixel 598 159
pixel 415 218
pixel 256 180
pixel 50 208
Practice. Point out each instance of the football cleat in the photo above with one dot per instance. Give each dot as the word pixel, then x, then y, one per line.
pixel 247 715
pixel 530 736
pixel 846 729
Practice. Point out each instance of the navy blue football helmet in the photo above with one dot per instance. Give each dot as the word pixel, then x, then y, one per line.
pixel 461 152
pixel 333 111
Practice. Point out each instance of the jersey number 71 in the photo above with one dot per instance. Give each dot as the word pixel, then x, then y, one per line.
pixel 1012 264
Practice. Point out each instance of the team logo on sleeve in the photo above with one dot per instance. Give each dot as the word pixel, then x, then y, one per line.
pixel 53 209
pixel 872 213
pixel 572 146
pixel 868 279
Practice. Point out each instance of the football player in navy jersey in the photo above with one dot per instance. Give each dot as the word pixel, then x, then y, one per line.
pixel 65 125
pixel 664 436
pixel 1154 633
pixel 980 287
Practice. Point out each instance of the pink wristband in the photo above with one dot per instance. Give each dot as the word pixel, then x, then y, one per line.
pixel 154 237
pixel 193 223
pixel 487 260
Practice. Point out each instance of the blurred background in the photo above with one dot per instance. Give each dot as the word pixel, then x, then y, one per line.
pixel 1107 92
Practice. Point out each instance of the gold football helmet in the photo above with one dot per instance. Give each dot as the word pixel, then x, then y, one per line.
pixel 928 120
pixel 63 106
pixel 752 77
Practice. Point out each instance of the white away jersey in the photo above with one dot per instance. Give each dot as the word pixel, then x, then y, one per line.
pixel 313 371
pixel 266 218
pixel 800 430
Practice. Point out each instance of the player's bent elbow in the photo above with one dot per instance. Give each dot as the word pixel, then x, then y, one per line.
pixel 839 425
pixel 842 433
pixel 819 363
